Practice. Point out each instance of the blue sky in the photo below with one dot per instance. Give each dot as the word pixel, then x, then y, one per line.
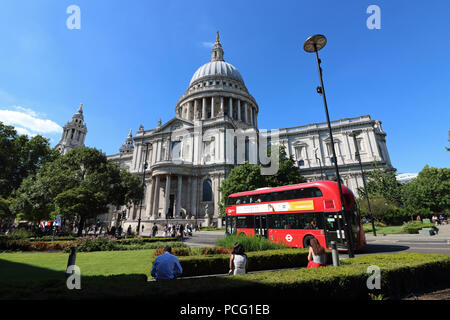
pixel 132 60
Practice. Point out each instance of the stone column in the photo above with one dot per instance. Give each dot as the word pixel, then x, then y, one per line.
pixel 369 145
pixel 239 110
pixel 221 111
pixel 148 198
pixel 166 197
pixel 139 158
pixel 245 113
pixel 188 201
pixel 189 110
pixel 212 107
pixel 156 198
pixel 216 196
pixel 231 108
pixel 195 109
pixel 151 199
pixel 179 186
pixel 203 108
pixel 347 146
pixel 194 197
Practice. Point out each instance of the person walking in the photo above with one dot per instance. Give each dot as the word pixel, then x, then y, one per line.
pixel 166 266
pixel 316 257
pixel 238 260
pixel 154 230
pixel 181 232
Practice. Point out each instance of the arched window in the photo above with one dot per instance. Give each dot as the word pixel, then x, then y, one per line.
pixel 207 190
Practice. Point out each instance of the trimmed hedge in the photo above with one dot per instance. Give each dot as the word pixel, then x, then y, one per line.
pixel 258 260
pixel 401 274
pixel 413 227
pixel 145 240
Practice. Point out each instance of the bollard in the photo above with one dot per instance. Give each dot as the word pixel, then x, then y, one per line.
pixel 71 260
pixel 334 253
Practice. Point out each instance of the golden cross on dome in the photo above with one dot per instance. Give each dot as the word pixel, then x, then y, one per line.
pixel 217 38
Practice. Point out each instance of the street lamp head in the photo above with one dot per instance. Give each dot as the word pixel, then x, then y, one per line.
pixel 315 43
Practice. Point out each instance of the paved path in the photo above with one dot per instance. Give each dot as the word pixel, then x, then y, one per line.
pixel 204 238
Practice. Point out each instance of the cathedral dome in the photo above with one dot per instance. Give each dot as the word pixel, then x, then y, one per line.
pixel 217 69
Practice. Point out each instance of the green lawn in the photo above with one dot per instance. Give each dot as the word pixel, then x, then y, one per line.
pixel 19 266
pixel 383 230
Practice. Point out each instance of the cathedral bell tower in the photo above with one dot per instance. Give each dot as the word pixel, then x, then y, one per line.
pixel 74 133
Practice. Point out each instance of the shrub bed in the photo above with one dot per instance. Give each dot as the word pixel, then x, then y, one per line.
pixel 250 243
pixel 401 274
pixel 263 260
pixel 85 244
pixel 413 227
pixel 145 240
pixel 27 245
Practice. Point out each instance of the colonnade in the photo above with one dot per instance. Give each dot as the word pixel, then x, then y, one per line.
pixel 217 106
pixel 172 208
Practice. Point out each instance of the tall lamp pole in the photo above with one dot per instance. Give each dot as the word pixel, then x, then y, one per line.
pixel 143 190
pixel 320 163
pixel 354 134
pixel 314 44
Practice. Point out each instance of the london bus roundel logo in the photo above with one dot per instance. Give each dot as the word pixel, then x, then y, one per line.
pixel 288 238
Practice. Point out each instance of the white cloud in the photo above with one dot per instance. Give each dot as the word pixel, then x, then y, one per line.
pixel 27 121
pixel 208 44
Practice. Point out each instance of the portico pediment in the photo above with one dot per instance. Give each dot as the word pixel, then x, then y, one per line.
pixel 176 124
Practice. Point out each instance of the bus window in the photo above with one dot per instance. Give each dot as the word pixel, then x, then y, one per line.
pixel 245 222
pixel 230 201
pixel 277 221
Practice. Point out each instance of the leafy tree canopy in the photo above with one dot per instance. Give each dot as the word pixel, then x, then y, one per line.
pixel 382 183
pixel 20 156
pixel 82 174
pixel 247 177
pixel 430 190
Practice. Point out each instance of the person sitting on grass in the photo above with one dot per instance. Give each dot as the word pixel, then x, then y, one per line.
pixel 316 257
pixel 166 266
pixel 238 260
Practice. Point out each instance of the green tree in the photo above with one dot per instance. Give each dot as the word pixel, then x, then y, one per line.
pixel 382 183
pixel 5 212
pixel 382 210
pixel 288 173
pixel 429 191
pixel 247 177
pixel 81 202
pixel 20 156
pixel 86 171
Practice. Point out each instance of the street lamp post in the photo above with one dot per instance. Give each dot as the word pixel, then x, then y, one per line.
pixel 138 231
pixel 314 44
pixel 320 163
pixel 354 134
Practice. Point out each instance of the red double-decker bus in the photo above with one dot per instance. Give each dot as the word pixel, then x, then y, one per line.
pixel 296 213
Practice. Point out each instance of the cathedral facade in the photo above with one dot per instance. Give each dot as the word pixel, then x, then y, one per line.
pixel 184 161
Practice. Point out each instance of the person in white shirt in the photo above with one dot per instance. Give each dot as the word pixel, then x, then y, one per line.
pixel 238 260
